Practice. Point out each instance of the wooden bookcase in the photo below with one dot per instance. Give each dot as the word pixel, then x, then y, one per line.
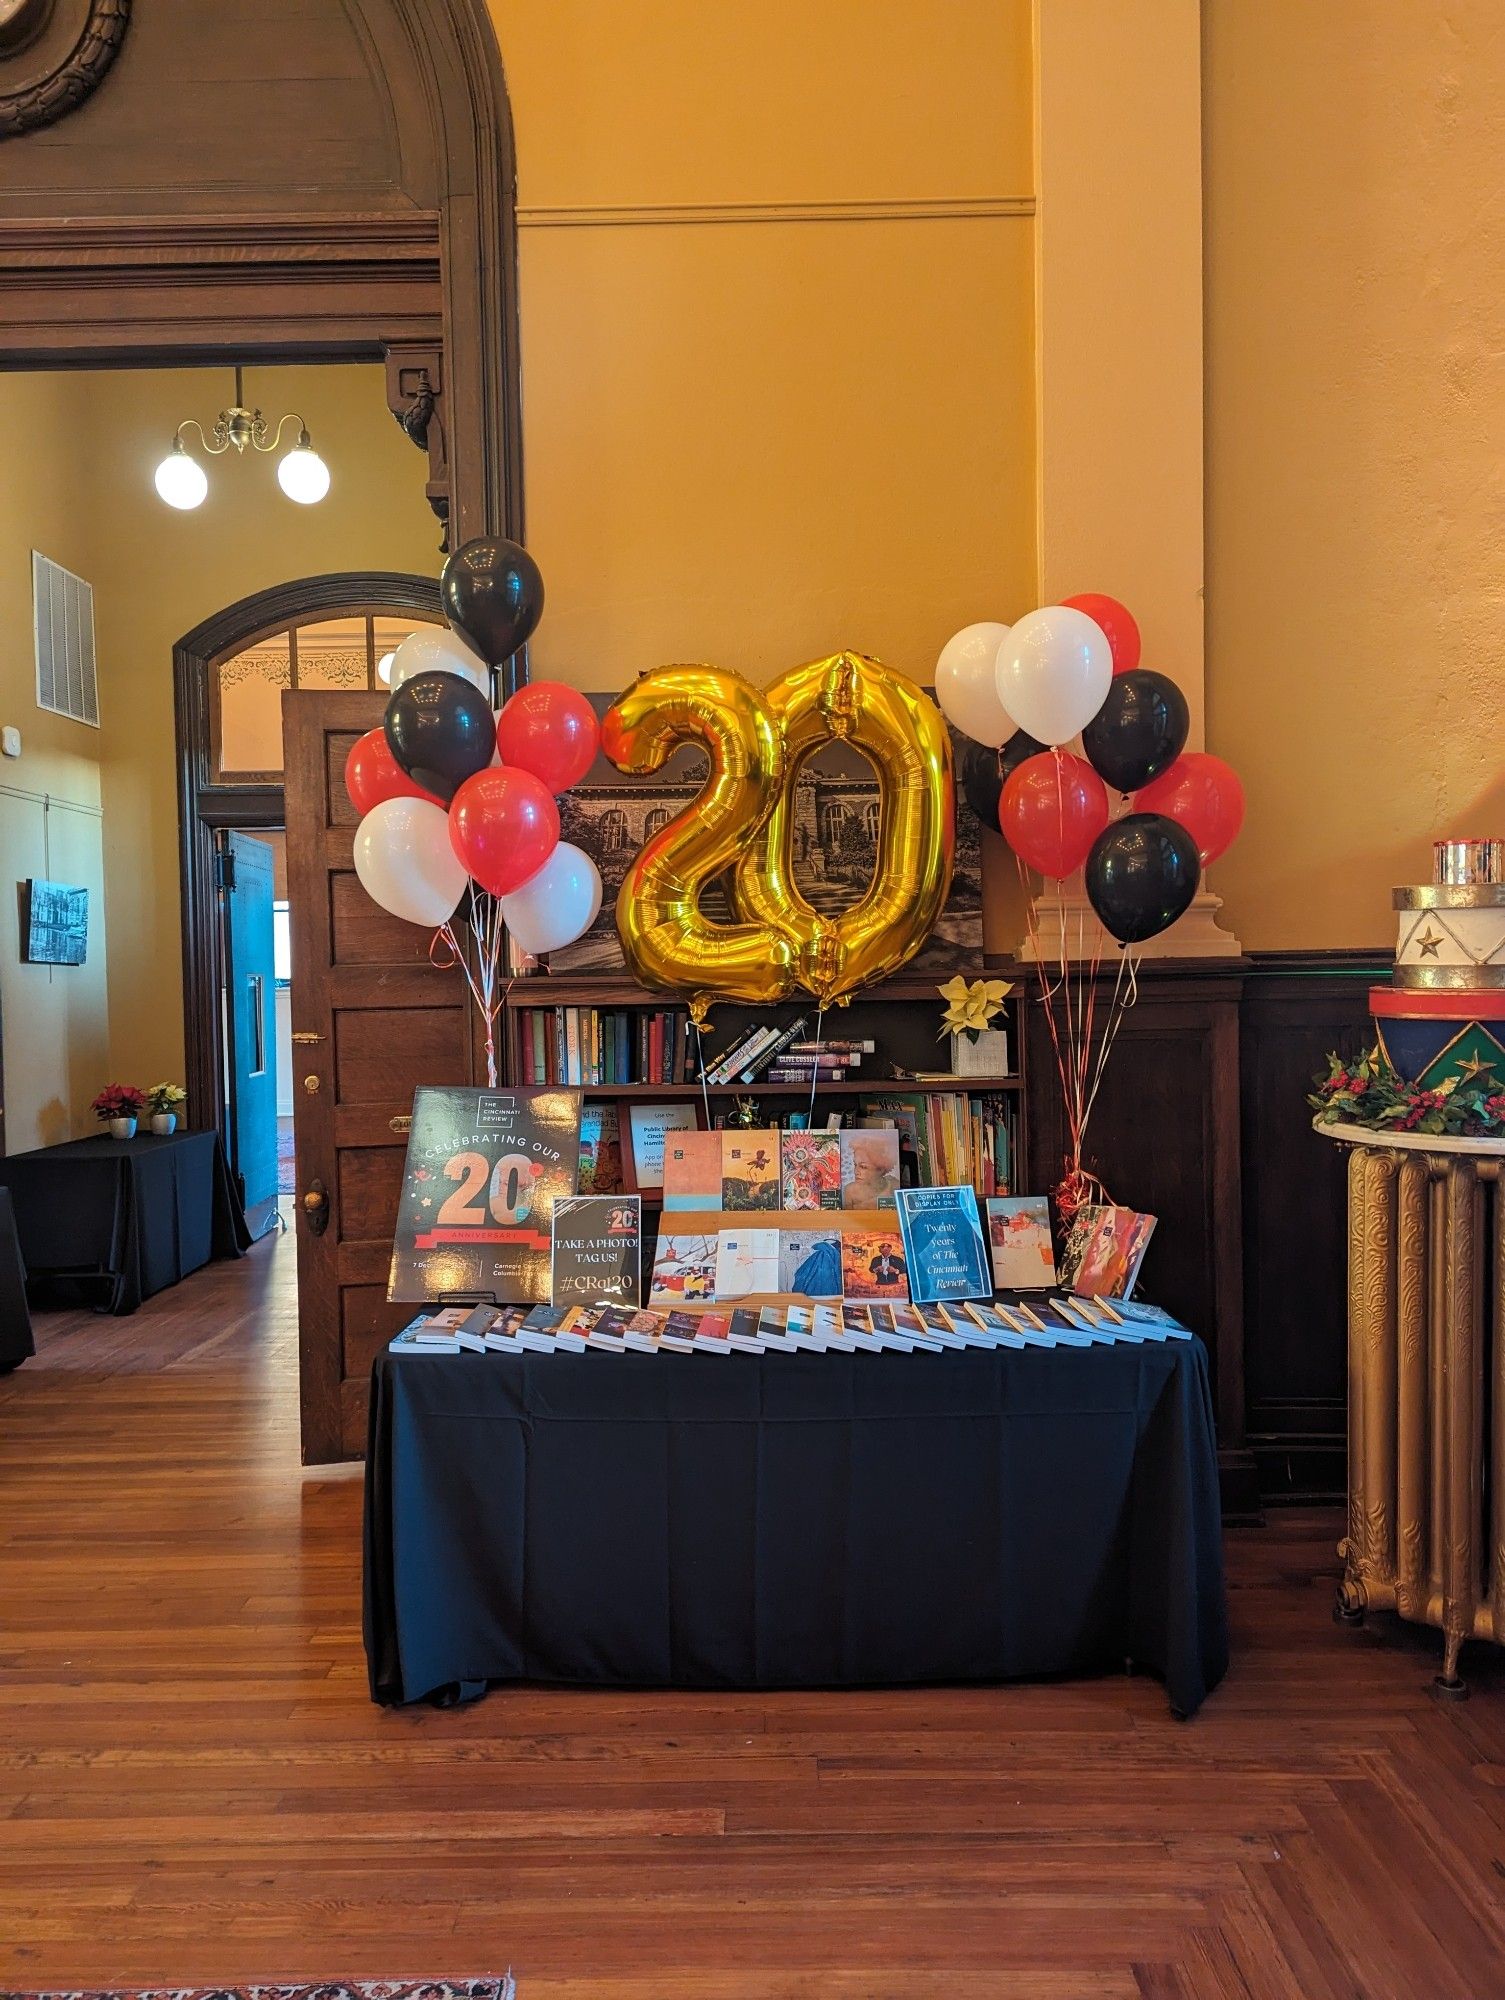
pixel 901 1017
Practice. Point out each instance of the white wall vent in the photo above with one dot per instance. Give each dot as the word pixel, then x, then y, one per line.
pixel 63 619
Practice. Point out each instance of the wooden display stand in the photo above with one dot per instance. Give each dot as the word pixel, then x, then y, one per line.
pixel 1426 1361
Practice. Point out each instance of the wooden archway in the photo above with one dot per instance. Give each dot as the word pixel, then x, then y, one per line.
pixel 205 807
pixel 243 182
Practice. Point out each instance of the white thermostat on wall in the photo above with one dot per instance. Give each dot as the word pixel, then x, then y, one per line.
pixel 10 741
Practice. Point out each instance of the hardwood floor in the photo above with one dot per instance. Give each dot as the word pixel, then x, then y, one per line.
pixel 194 1787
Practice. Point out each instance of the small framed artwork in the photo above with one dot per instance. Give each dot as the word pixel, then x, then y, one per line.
pixel 645 1130
pixel 55 923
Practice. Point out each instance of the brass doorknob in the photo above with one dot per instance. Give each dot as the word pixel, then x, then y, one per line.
pixel 311 1084
pixel 316 1208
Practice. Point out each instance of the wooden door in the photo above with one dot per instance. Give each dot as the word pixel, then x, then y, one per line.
pixel 372 1019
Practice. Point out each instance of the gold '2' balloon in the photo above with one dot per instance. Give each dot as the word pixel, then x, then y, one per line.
pixel 746 816
pixel 666 939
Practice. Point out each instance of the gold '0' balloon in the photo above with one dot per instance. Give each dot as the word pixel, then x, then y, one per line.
pixel 852 699
pixel 757 743
pixel 665 938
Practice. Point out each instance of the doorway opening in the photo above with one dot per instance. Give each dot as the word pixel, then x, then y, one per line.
pixel 331 635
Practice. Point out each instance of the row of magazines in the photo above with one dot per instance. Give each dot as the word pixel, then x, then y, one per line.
pixel 1054 1320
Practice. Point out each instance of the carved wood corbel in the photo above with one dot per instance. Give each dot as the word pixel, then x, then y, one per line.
pixel 415 396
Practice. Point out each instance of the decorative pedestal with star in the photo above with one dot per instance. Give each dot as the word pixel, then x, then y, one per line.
pixel 1443 1015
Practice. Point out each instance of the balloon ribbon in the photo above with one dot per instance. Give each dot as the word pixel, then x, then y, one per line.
pixel 479 958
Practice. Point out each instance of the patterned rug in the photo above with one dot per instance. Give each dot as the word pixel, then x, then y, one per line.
pixel 365 1989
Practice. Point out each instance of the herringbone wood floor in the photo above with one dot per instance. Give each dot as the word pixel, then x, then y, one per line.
pixel 194 1787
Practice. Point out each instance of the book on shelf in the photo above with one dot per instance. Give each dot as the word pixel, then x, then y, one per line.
pixel 775 1050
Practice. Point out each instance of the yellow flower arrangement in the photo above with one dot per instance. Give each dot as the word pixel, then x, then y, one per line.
pixel 970 1008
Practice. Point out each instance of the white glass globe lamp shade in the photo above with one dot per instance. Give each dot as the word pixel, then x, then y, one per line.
pixel 384 668
pixel 303 475
pixel 180 480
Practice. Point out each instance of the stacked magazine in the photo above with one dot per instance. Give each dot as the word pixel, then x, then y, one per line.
pixel 1048 1320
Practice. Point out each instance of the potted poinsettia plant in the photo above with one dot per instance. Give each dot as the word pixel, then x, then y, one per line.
pixel 977 1047
pixel 166 1100
pixel 119 1105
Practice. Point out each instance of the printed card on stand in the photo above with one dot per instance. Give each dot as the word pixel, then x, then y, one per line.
pixel 598 1250
pixel 943 1243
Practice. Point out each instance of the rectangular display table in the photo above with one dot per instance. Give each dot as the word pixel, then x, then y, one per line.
pixel 792 1520
pixel 127 1217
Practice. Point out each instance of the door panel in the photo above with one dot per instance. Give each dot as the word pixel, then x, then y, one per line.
pixel 375 1020
pixel 251 987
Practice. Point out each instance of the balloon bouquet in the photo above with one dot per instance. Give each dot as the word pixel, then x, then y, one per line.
pixel 457 804
pixel 1022 693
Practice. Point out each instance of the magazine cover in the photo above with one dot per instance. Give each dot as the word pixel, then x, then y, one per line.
pixel 872 1265
pixel 811 1163
pixel 869 1167
pixel 747 1263
pixel 692 1170
pixel 810 1263
pixel 483 1171
pixel 943 1243
pixel 1105 1250
pixel 600 1150
pixel 598 1250
pixel 750 1169
pixel 684 1270
pixel 1019 1241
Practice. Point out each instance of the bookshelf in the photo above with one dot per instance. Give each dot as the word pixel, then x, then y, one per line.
pixel 901 1017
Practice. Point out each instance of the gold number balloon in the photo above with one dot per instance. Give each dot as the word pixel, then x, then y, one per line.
pixel 666 939
pixel 852 699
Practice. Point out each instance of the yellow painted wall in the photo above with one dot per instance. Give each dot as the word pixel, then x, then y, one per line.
pixel 776 275
pixel 156 574
pixel 54 1019
pixel 1356 450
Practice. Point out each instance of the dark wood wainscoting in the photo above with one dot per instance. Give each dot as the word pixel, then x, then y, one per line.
pixel 1202 1119
pixel 1295 1009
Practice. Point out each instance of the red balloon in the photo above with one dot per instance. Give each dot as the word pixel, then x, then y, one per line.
pixel 1201 793
pixel 503 826
pixel 1052 809
pixel 550 730
pixel 1117 621
pixel 372 774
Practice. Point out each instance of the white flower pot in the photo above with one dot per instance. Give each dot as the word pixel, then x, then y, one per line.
pixel 164 1122
pixel 122 1128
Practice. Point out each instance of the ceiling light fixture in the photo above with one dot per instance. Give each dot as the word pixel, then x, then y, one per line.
pixel 303 476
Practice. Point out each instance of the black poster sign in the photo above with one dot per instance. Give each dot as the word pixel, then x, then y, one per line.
pixel 598 1250
pixel 483 1172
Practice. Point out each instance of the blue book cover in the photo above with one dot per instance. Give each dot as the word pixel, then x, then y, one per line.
pixel 943 1244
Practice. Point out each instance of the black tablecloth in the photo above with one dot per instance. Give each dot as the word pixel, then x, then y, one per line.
pixel 138 1214
pixel 792 1520
pixel 16 1343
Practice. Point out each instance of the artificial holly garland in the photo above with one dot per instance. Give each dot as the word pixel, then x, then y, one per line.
pixel 1370 1093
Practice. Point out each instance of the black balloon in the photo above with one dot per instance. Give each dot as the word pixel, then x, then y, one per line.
pixel 492 591
pixel 1139 731
pixel 441 731
pixel 984 773
pixel 1141 875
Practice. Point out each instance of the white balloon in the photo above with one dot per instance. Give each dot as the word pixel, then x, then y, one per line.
pixel 966 683
pixel 405 861
pixel 557 905
pixel 433 649
pixel 1054 672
